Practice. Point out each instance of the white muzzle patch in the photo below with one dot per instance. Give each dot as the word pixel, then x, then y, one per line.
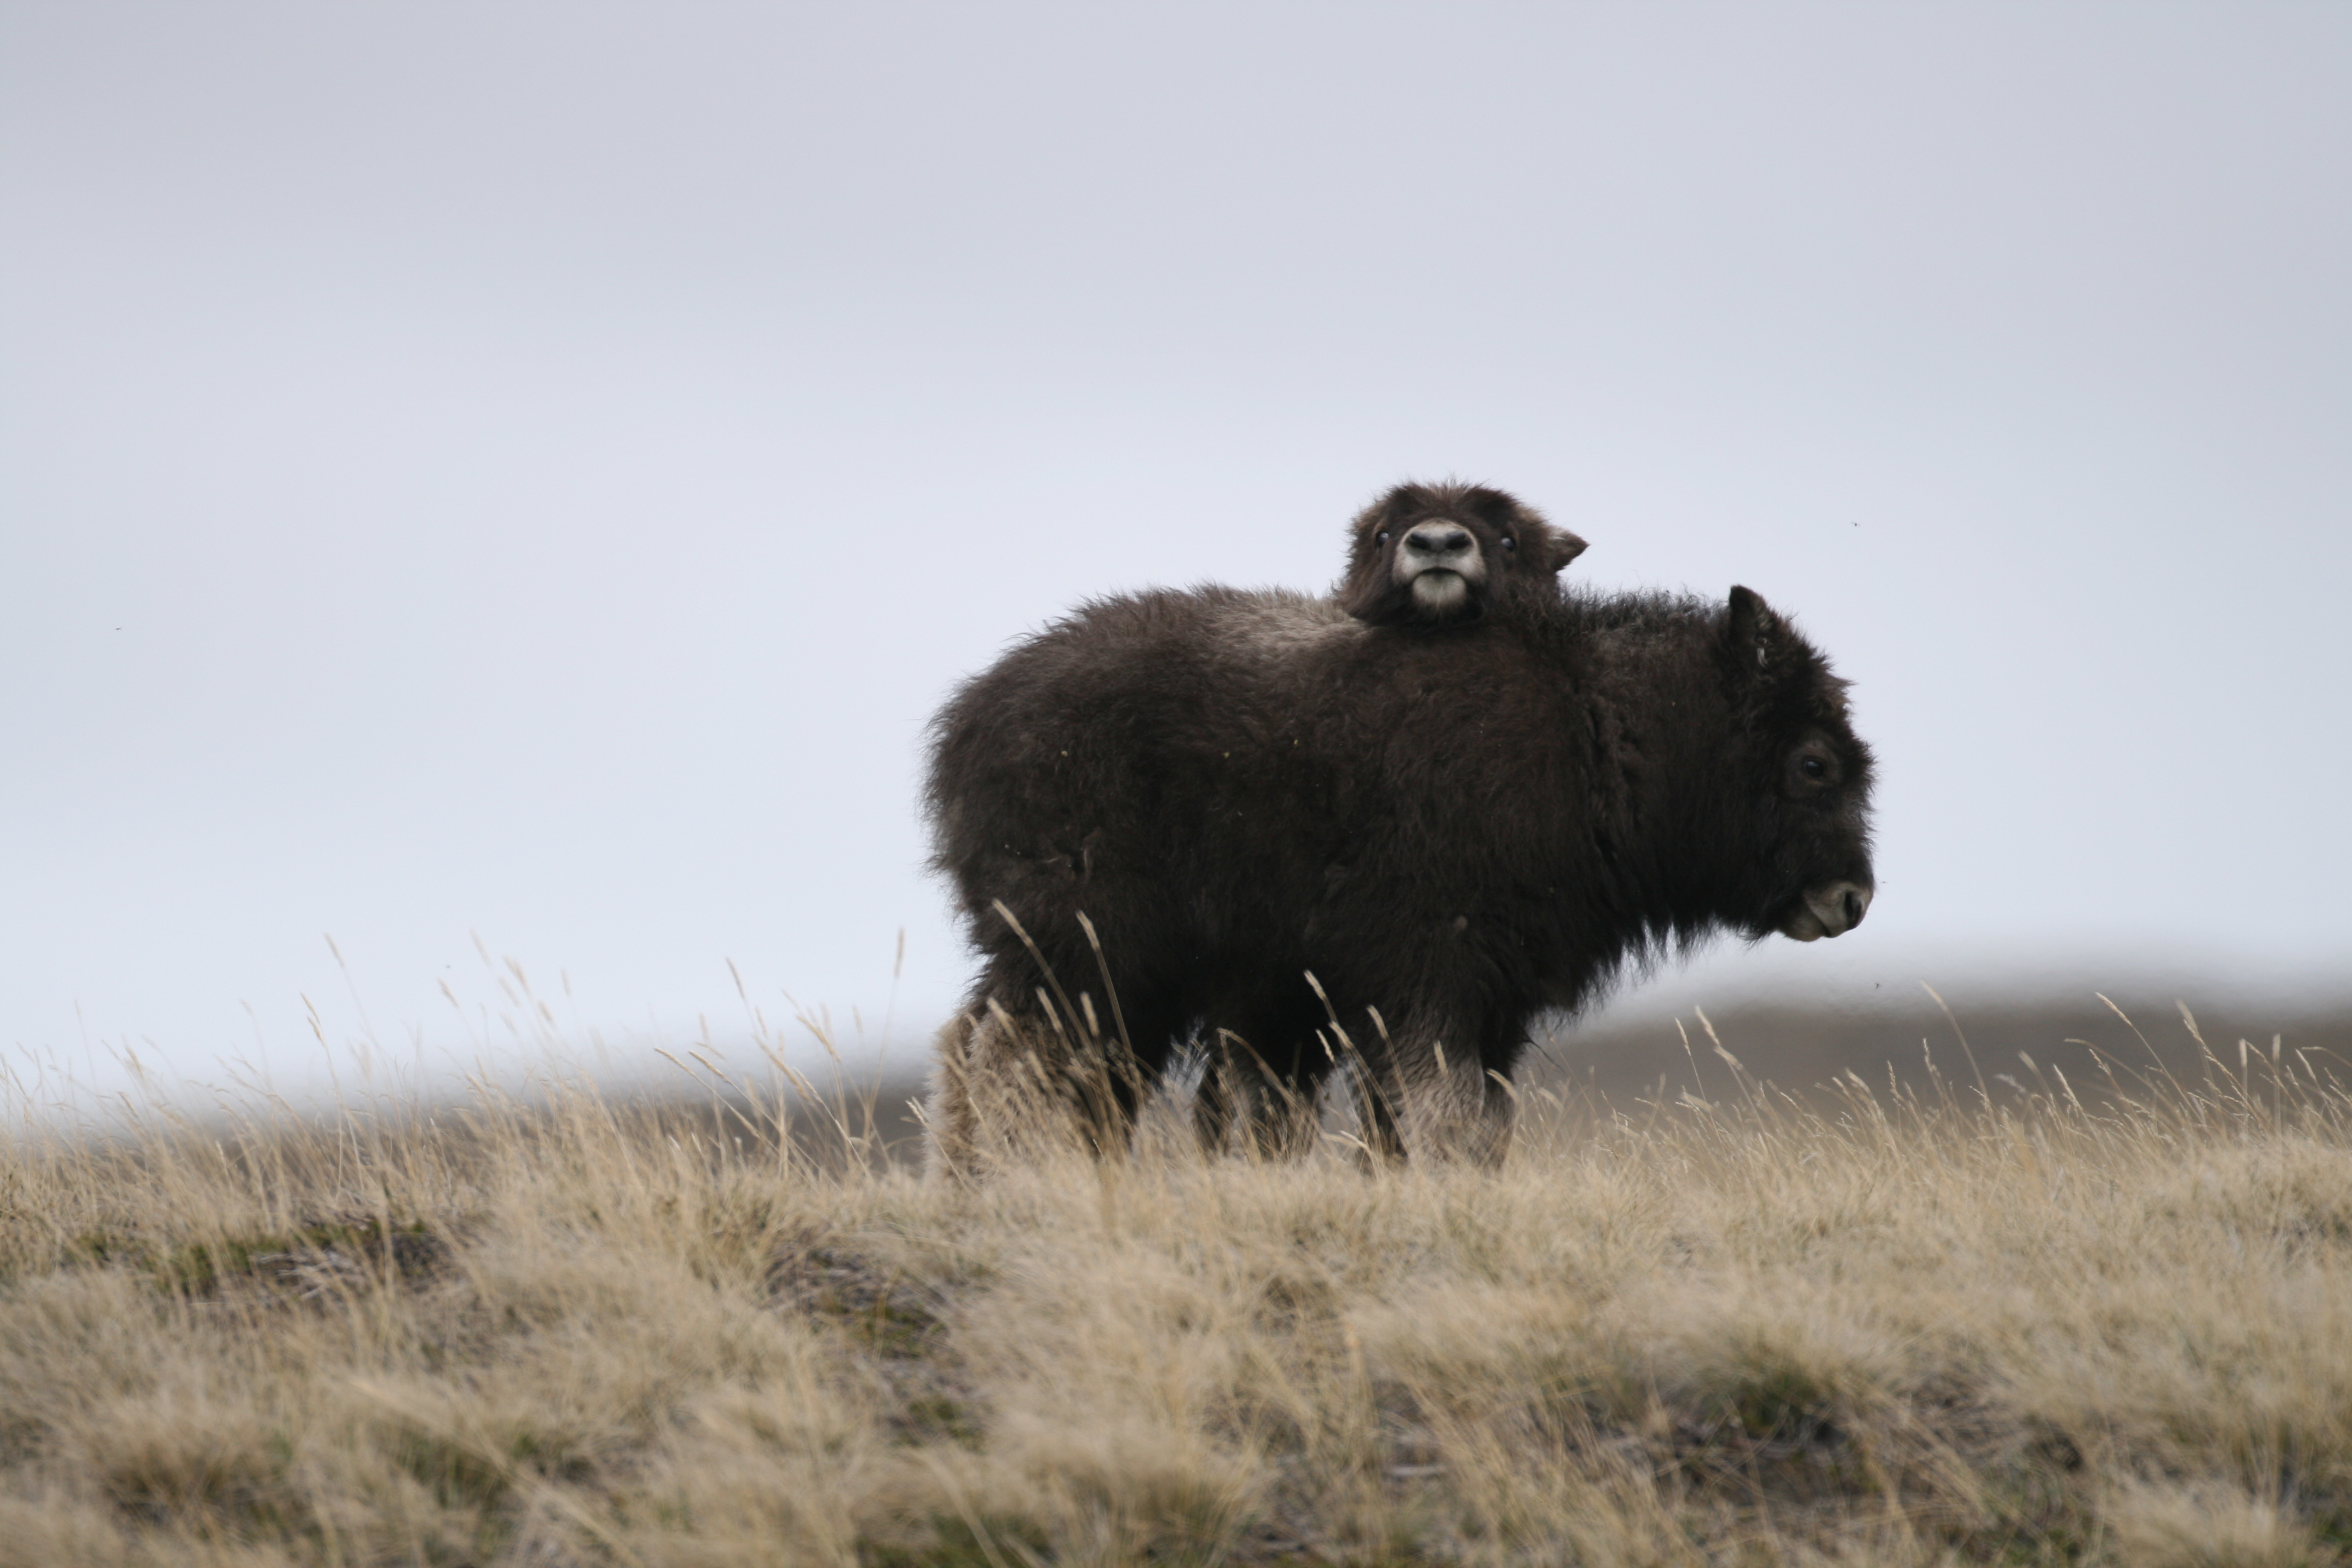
pixel 1439 591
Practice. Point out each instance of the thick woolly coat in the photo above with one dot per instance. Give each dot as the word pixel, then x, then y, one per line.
pixel 1456 831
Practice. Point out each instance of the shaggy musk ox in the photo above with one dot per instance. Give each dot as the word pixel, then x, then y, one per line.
pixel 1163 814
pixel 1442 554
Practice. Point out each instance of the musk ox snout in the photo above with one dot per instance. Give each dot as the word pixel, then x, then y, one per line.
pixel 1832 908
pixel 1443 563
pixel 1439 545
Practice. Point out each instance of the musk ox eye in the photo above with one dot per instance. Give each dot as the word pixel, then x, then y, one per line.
pixel 1509 543
pixel 1814 768
pixel 1381 537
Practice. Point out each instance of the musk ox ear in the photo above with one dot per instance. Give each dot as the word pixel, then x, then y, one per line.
pixel 1555 547
pixel 1753 633
pixel 1565 548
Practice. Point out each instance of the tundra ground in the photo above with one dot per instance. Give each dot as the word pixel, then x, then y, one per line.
pixel 1893 1327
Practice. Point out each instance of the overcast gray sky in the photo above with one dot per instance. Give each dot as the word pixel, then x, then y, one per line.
pixel 531 469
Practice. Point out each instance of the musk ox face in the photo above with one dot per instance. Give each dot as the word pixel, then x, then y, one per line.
pixel 1433 555
pixel 1806 772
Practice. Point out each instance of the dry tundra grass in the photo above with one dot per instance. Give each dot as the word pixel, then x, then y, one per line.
pixel 1902 1329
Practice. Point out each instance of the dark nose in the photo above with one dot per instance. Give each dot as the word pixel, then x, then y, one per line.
pixel 1436 539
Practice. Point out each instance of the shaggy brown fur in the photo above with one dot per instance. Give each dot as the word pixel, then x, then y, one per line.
pixel 1445 554
pixel 1163 814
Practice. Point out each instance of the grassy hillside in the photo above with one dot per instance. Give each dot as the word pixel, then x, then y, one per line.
pixel 1891 1327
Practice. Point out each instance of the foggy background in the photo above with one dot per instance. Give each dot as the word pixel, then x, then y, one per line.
pixel 509 480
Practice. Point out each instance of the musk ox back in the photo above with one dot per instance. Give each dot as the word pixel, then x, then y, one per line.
pixel 1162 815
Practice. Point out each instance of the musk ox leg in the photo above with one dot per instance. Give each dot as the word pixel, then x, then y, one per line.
pixel 1008 1084
pixel 1000 1089
pixel 1490 1136
pixel 1442 1106
pixel 985 1088
pixel 1240 1097
pixel 1378 1095
pixel 1219 1098
pixel 948 1120
pixel 1120 1058
pixel 1473 1117
pixel 1285 1116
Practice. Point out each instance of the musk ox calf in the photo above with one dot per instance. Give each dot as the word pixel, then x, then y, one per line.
pixel 1252 820
pixel 1442 555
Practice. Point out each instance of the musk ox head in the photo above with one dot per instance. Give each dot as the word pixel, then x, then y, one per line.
pixel 1807 776
pixel 1436 555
